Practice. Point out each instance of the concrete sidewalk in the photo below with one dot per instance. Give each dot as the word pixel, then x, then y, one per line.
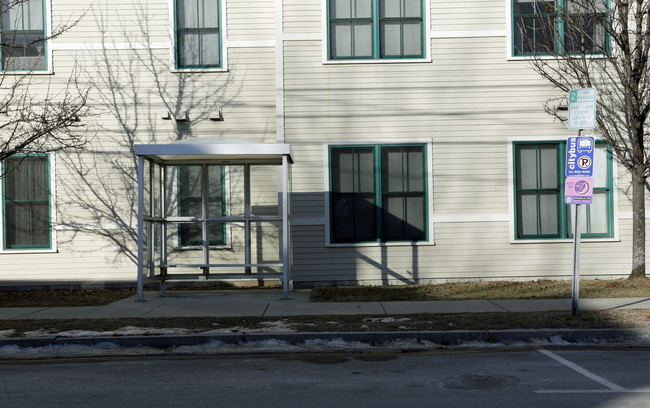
pixel 267 303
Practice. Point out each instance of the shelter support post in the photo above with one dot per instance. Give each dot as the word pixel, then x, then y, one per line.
pixel 140 227
pixel 284 232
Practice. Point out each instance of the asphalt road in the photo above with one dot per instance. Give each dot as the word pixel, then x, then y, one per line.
pixel 532 378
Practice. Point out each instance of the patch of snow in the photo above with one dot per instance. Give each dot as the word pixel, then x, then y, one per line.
pixel 12 352
pixel 7 333
pixel 386 319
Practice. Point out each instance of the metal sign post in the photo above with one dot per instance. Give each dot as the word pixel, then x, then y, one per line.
pixel 578 187
pixel 575 283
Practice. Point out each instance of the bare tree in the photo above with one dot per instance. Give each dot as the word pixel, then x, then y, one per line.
pixel 584 44
pixel 133 115
pixel 37 113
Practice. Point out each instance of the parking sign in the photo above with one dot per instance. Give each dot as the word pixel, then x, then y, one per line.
pixel 582 108
pixel 580 156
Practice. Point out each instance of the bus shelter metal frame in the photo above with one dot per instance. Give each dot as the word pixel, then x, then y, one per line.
pixel 220 151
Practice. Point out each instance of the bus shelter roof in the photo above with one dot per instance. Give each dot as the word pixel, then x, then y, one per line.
pixel 218 150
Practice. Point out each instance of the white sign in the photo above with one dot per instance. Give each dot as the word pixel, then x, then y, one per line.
pixel 582 108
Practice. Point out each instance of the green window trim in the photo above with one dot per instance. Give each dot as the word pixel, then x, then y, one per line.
pixel 197 37
pixel 378 193
pixel 190 201
pixel 23 34
pixel 539 28
pixel 26 203
pixel 552 219
pixel 374 32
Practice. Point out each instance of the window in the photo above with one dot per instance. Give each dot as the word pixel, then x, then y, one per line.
pixel 22 32
pixel 191 205
pixel 26 202
pixel 375 29
pixel 198 39
pixel 378 193
pixel 539 193
pixel 555 27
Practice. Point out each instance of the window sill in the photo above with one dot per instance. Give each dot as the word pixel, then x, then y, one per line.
pixel 48 71
pixel 551 57
pixel 199 248
pixel 197 70
pixel 29 251
pixel 377 61
pixel 380 244
pixel 562 240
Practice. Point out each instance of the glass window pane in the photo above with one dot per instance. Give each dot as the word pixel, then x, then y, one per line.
pixel 343 217
pixel 415 166
pixel 341 41
pixel 33 15
pixel 364 166
pixel 15 179
pixel 191 233
pixel 190 181
pixel 391 39
pixel 210 48
pixel 362 40
pixel 390 8
pixel 187 13
pixel 600 166
pixel 362 8
pixel 342 171
pixel 392 170
pixel 527 215
pixel 340 8
pixel 412 8
pixel 598 221
pixel 188 46
pixel 393 218
pixel 548 213
pixel 16 224
pixel 412 39
pixel 534 34
pixel 364 214
pixel 526 160
pixel 524 6
pixel 216 233
pixel 39 224
pixel 215 181
pixel 38 178
pixel 549 167
pixel 210 13
pixel 414 227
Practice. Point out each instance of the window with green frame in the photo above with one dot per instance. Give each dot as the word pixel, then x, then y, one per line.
pixel 540 211
pixel 378 193
pixel 26 202
pixel 558 27
pixel 198 38
pixel 375 29
pixel 22 35
pixel 190 186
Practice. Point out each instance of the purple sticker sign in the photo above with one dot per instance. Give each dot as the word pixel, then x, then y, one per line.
pixel 578 190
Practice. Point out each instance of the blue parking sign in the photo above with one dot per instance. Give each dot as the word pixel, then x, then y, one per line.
pixel 580 156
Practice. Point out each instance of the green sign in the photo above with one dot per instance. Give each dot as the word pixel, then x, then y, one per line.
pixel 582 108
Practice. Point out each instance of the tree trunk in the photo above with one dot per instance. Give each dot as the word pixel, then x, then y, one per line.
pixel 638 224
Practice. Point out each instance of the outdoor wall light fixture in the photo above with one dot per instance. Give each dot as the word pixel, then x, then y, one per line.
pixel 562 107
pixel 182 117
pixel 179 117
pixel 216 116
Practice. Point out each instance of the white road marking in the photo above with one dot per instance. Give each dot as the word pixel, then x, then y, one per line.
pixel 610 385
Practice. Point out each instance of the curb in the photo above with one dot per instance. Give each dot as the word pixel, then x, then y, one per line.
pixel 443 338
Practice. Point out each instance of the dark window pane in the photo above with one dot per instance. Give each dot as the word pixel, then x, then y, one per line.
pixel 26 202
pixel 197 35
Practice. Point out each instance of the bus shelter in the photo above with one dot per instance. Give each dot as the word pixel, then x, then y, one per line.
pixel 213 208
